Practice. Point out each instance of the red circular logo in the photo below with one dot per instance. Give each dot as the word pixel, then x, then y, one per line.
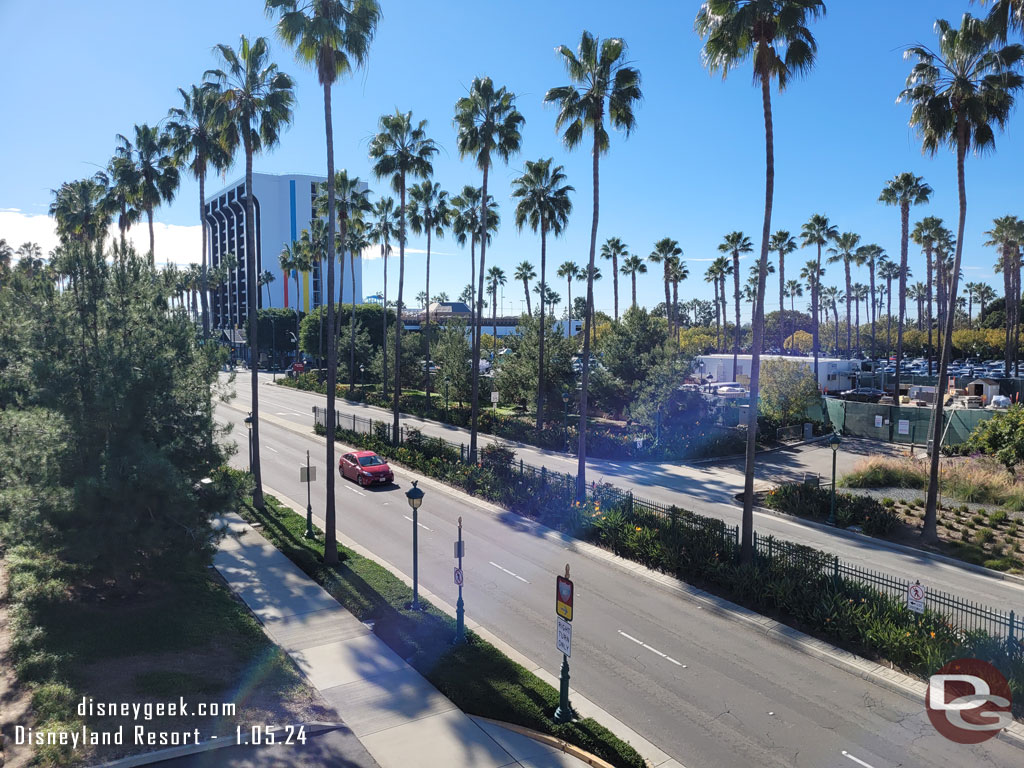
pixel 968 701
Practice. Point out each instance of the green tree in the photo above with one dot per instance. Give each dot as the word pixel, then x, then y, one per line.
pixel 734 244
pixel 634 347
pixel 783 244
pixel 819 232
pixel 845 251
pixel 452 353
pixel 525 273
pixel 614 249
pixel 633 265
pixel 356 241
pixel 155 173
pixel 428 213
pixel 787 390
pixel 1001 437
pixel 603 88
pixel 383 230
pixel 774 33
pixel 957 94
pixel 519 373
pixel 255 105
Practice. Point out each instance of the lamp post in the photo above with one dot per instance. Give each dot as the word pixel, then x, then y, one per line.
pixel 565 402
pixel 248 424
pixel 273 345
pixel 309 504
pixel 833 443
pixel 415 497
pixel 362 379
pixel 296 340
pixel 460 607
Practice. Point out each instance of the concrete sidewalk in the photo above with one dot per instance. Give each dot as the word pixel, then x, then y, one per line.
pixel 400 718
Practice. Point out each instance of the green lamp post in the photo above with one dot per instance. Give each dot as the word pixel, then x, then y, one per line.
pixel 833 443
pixel 415 498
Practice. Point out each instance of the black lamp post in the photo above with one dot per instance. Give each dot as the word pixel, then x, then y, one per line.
pixel 833 443
pixel 565 402
pixel 415 497
pixel 296 340
pixel 248 424
pixel 362 379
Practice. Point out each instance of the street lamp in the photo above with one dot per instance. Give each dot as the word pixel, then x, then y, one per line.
pixel 362 379
pixel 415 497
pixel 833 443
pixel 565 402
pixel 248 424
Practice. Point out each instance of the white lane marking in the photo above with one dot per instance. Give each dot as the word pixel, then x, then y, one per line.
pixel 354 490
pixel 858 762
pixel 506 570
pixel 272 449
pixel 281 413
pixel 649 648
pixel 421 525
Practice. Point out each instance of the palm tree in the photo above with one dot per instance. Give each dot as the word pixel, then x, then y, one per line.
pixel 917 292
pixel 678 272
pixel 783 244
pixel 970 291
pixel 985 295
pixel 525 273
pixel 734 244
pixel 265 279
pixel 400 150
pixel 356 241
pixel 812 274
pixel 859 293
pixel 333 37
pixel 602 87
pixel 612 249
pixel 957 94
pixel 871 255
pixel 904 190
pixel 255 105
pixel 569 271
pixel 793 290
pixel 831 297
pixel 488 123
pixel 664 251
pixel 845 251
pixel 819 232
pixel 720 268
pixel 383 231
pixel 925 234
pixel 429 213
pixel 466 225
pixel 633 265
pixel 495 279
pixel 196 139
pixel 1006 235
pixel 292 260
pixel 888 271
pixel 81 211
pixel 121 179
pixel 155 171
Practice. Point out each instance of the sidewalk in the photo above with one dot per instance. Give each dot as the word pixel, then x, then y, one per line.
pixel 398 716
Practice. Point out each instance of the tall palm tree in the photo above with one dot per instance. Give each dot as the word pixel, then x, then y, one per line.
pixel 917 292
pixel 466 226
pixel 858 293
pixel 845 250
pixel 970 291
pixel 1006 235
pixel 293 261
pixel 633 265
pixel 812 275
pixel 155 171
pixel 603 88
pixel 197 140
pixel 525 273
pixel 81 211
pixel 678 272
pixel 428 213
pixel 720 268
pixel 612 249
pixel 121 179
pixel 664 251
pixel 255 105
pixel 793 290
pixel 888 271
pixel 871 255
pixel 783 244
pixel 711 275
pixel 400 150
pixel 383 231
pixel 925 234
pixel 333 37
pixel 831 297
pixel 904 190
pixel 265 279
pixel 488 124
pixel 495 279
pixel 958 93
pixel 734 244
pixel 819 232
pixel 356 241
pixel 985 295
pixel 569 271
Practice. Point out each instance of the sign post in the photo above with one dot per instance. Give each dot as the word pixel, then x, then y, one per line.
pixel 307 475
pixel 563 641
pixel 915 597
pixel 494 399
pixel 460 607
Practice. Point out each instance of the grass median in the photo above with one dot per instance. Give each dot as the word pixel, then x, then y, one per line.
pixel 476 676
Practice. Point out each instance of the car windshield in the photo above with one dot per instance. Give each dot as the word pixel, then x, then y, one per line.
pixel 370 461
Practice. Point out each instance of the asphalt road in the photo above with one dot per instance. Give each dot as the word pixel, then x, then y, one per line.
pixel 707 489
pixel 709 692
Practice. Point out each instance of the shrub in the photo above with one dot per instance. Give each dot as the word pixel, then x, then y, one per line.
pixel 887 502
pixel 998 517
pixel 879 472
pixel 984 536
pixel 978 519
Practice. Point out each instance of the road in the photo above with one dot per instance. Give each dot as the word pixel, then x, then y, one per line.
pixel 707 490
pixel 708 691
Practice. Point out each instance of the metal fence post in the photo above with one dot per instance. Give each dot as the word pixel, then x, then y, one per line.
pixel 353 422
pixel 1013 626
pixel 771 556
pixel 835 571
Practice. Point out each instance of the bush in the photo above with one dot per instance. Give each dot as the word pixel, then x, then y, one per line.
pixel 997 518
pixel 886 473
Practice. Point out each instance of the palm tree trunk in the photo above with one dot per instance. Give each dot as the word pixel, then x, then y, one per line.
pixel 615 283
pixel 633 276
pixel 668 298
pixel 871 273
pixel 352 324
pixel 526 290
pixel 928 304
pixel 385 248
pixel 675 310
pixel 250 281
pixel 581 471
pixel 849 298
pixel 904 245
pixel 152 251
pixel 330 525
pixel 736 297
pixel 479 318
pixel 297 303
pixel 857 320
pixel 757 322
pixel 929 532
pixel 815 312
pixel 398 325
pixel 541 377
pixel 204 282
pixel 782 299
pixel 888 317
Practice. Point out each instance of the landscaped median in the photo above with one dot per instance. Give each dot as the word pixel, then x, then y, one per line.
pixel 477 677
pixel 801 586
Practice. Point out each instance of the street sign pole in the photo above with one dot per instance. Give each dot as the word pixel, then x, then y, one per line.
pixel 563 611
pixel 460 607
pixel 309 503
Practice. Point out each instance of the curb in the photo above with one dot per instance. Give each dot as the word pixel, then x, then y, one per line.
pixel 893 546
pixel 735 456
pixel 550 741
pixel 157 756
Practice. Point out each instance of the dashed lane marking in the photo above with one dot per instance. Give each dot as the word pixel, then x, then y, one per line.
pixel 649 648
pixel 506 570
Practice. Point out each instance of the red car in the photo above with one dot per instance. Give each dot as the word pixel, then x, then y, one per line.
pixel 366 468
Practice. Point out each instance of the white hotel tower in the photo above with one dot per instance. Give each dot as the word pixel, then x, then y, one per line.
pixel 283 206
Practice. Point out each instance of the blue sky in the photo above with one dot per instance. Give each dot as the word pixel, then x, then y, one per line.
pixel 693 170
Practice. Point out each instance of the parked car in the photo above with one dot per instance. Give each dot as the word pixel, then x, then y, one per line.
pixel 863 395
pixel 366 468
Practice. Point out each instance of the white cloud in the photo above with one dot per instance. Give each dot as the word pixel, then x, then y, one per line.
pixel 174 243
pixel 373 252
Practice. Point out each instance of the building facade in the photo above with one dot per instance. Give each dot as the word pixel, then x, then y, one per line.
pixel 283 207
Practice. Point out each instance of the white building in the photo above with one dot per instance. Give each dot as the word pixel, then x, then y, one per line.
pixel 834 374
pixel 283 206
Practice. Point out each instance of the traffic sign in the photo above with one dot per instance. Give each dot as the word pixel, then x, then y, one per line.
pixel 460 548
pixel 563 636
pixel 494 397
pixel 563 596
pixel 307 474
pixel 458 576
pixel 915 597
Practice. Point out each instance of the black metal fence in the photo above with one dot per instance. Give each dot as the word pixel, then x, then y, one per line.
pixel 964 615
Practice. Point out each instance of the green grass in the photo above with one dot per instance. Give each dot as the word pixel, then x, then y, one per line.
pixel 165 683
pixel 477 677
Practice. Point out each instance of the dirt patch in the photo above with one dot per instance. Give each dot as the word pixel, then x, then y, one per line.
pixel 15 701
